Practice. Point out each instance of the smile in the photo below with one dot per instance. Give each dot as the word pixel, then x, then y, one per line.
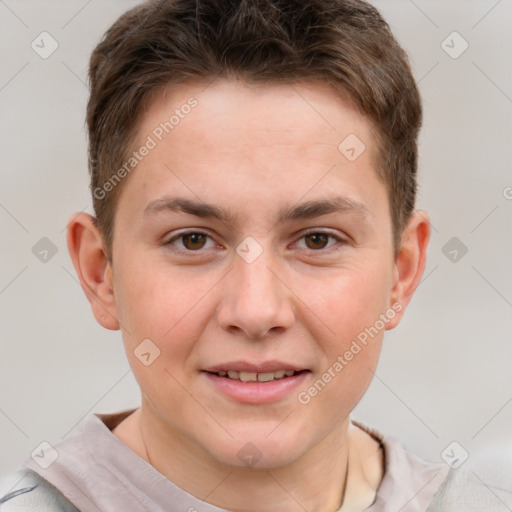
pixel 261 383
pixel 256 377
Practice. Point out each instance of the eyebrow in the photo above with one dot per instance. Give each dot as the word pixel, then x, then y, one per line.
pixel 306 210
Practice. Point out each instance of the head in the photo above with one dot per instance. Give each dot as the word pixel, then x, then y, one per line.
pixel 253 171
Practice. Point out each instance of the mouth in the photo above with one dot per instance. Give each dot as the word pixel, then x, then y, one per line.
pixel 257 376
pixel 268 382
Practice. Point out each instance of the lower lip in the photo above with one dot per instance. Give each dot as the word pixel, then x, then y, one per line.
pixel 257 392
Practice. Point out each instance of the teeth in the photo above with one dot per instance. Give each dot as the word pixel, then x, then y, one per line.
pixel 253 377
pixel 248 376
pixel 265 377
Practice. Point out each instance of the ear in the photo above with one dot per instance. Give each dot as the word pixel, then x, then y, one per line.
pixel 409 264
pixel 85 245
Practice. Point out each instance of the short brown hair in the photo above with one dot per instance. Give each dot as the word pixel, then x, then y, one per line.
pixel 345 43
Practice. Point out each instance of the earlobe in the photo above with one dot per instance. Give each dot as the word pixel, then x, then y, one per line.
pixel 93 269
pixel 409 264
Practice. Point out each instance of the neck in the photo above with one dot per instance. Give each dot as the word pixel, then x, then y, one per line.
pixel 315 481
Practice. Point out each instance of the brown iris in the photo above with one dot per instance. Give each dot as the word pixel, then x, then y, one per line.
pixel 194 241
pixel 318 240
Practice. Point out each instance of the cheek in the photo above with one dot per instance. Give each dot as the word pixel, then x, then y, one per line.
pixel 355 311
pixel 348 301
pixel 171 310
pixel 351 306
pixel 167 311
pixel 339 388
pixel 156 300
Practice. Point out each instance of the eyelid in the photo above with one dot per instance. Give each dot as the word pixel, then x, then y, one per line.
pixel 325 231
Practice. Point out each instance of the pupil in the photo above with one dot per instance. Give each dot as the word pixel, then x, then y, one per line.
pixel 319 240
pixel 193 240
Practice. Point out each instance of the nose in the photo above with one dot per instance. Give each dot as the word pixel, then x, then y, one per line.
pixel 255 299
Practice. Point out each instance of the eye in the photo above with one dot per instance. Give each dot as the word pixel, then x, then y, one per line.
pixel 191 241
pixel 196 241
pixel 319 240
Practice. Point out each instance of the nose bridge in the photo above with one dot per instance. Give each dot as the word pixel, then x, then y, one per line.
pixel 256 280
pixel 255 300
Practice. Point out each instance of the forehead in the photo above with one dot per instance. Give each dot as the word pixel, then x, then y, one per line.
pixel 315 113
pixel 270 144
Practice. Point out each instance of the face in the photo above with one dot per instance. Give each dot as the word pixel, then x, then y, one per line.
pixel 246 241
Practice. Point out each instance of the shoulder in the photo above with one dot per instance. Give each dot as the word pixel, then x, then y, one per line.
pixel 483 482
pixel 26 491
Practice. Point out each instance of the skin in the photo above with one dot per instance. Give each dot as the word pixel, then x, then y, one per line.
pixel 252 150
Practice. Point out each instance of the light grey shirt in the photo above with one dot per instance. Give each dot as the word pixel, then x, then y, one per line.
pixel 93 471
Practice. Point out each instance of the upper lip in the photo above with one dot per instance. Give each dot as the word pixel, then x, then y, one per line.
pixel 245 366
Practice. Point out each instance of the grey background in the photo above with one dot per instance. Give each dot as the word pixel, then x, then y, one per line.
pixel 445 372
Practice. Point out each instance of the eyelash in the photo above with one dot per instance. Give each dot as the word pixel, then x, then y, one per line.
pixel 328 250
